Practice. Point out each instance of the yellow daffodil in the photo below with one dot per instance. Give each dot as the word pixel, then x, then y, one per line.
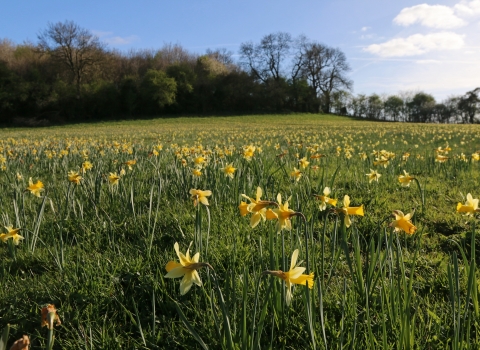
pixel 243 208
pixel 317 156
pixel 4 237
pixel 248 152
pixel 196 172
pixel 283 214
pixel 11 233
pixel 347 210
pixel 74 177
pixel 402 222
pixel 129 163
pixel 113 178
pixel 229 170
pixel 256 206
pixel 86 166
pixel 303 162
pixel 293 276
pixel 381 161
pixel 296 174
pixel 373 176
pixel 475 156
pixel 199 161
pixel 35 189
pixel 470 206
pixel 200 196
pixel 186 268
pixel 440 158
pixel 405 179
pixel 324 200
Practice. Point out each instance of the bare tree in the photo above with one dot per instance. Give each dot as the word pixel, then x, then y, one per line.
pixel 222 55
pixel 334 78
pixel 314 61
pixel 75 47
pixel 266 60
pixel 469 105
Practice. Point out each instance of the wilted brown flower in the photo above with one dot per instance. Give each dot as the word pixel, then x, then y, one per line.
pixel 49 315
pixel 21 344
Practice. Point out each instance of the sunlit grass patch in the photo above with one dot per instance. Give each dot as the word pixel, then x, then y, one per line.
pixel 370 236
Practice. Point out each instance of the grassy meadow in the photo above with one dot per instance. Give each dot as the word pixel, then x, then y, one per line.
pixel 385 254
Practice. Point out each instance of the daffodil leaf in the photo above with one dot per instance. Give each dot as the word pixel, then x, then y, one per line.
pixel 189 327
pixel 4 338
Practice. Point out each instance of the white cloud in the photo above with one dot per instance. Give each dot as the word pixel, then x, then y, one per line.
pixel 118 40
pixel 364 29
pixel 101 34
pixel 468 8
pixel 427 62
pixel 439 79
pixel 433 16
pixel 417 44
pixel 114 40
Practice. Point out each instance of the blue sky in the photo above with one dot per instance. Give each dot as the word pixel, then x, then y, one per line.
pixel 392 46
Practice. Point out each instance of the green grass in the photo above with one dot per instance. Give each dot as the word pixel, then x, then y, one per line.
pixel 98 251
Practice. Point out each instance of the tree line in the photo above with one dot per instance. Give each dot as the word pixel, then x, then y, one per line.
pixel 410 106
pixel 69 74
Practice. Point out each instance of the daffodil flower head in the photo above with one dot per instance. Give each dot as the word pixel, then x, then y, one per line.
pixel 129 163
pixel 196 172
pixel 402 222
pixel 470 207
pixel 283 214
pixel 200 196
pixel 13 234
pixel 373 175
pixel 256 206
pixel 229 170
pixel 347 210
pixel 382 160
pixel 74 177
pixel 405 179
pixel 304 162
pixel 248 152
pixel 293 276
pixel 113 178
pixel 296 174
pixel 49 316
pixel 243 208
pixel 86 166
pixel 199 161
pixel 35 189
pixel 441 158
pixel 324 200
pixel 187 268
